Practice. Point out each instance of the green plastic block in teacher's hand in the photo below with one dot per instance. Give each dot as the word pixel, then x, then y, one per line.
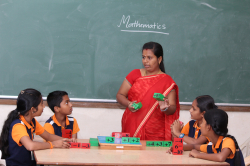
pixel 137 105
pixel 159 96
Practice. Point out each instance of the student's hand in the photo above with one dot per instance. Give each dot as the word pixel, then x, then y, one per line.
pixel 164 104
pixel 170 150
pixel 176 128
pixel 171 127
pixel 72 140
pixel 194 153
pixel 62 143
pixel 130 106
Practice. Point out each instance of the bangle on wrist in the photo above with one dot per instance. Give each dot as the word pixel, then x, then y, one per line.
pixel 181 135
pixel 51 145
pixel 164 109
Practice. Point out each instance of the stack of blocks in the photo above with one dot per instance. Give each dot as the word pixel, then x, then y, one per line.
pixel 122 138
pixel 159 143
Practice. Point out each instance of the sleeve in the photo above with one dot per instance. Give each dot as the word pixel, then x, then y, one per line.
pixel 203 148
pixel 229 143
pixel 18 131
pixel 75 127
pixel 185 129
pixel 49 128
pixel 39 129
pixel 133 75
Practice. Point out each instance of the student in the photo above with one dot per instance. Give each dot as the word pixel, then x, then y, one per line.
pixel 191 133
pixel 16 141
pixel 60 104
pixel 222 147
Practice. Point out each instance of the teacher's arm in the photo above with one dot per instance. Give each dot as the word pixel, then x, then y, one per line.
pixel 122 96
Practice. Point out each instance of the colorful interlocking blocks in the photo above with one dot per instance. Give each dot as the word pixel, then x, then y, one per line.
pixel 159 143
pixel 137 105
pixel 159 96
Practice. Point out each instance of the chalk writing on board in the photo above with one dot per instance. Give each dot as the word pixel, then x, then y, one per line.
pixel 136 24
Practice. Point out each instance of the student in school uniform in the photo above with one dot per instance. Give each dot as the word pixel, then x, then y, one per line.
pixel 60 104
pixel 16 141
pixel 222 147
pixel 191 133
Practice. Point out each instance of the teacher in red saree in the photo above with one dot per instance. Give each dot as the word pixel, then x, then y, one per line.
pixel 153 120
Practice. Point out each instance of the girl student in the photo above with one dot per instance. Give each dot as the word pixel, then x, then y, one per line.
pixel 223 147
pixel 191 133
pixel 16 141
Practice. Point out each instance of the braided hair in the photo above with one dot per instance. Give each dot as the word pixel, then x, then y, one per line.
pixel 218 120
pixel 27 99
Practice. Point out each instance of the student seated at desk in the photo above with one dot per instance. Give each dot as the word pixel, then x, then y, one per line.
pixel 222 147
pixel 60 104
pixel 191 133
pixel 16 141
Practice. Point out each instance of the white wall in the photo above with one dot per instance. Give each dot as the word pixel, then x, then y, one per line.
pixel 101 121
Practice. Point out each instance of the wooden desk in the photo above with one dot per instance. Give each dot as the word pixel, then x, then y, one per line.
pixel 96 156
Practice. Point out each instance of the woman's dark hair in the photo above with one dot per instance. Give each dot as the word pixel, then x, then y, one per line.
pixel 218 120
pixel 205 103
pixel 157 50
pixel 27 99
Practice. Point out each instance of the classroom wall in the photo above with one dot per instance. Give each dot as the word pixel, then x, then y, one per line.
pixel 102 121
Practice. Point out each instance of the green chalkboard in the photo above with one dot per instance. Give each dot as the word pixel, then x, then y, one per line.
pixel 87 47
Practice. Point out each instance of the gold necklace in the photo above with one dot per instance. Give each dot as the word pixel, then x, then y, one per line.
pixel 146 72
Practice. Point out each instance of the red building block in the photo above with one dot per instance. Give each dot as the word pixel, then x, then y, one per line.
pixel 117 134
pixel 125 135
pixel 75 144
pixel 67 133
pixel 178 146
pixel 85 145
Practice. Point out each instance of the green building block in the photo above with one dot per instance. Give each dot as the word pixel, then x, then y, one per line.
pixel 137 105
pixel 110 139
pixel 167 143
pixel 93 142
pixel 159 96
pixel 150 143
pixel 134 140
pixel 125 139
pixel 158 143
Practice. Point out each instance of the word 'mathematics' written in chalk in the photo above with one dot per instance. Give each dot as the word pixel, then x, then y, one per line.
pixel 136 24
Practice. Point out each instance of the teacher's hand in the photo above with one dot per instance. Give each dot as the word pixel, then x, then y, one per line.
pixel 130 107
pixel 164 104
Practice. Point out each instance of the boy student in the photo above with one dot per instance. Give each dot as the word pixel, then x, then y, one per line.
pixel 60 104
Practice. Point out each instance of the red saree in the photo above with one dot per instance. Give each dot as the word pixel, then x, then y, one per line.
pixel 149 123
